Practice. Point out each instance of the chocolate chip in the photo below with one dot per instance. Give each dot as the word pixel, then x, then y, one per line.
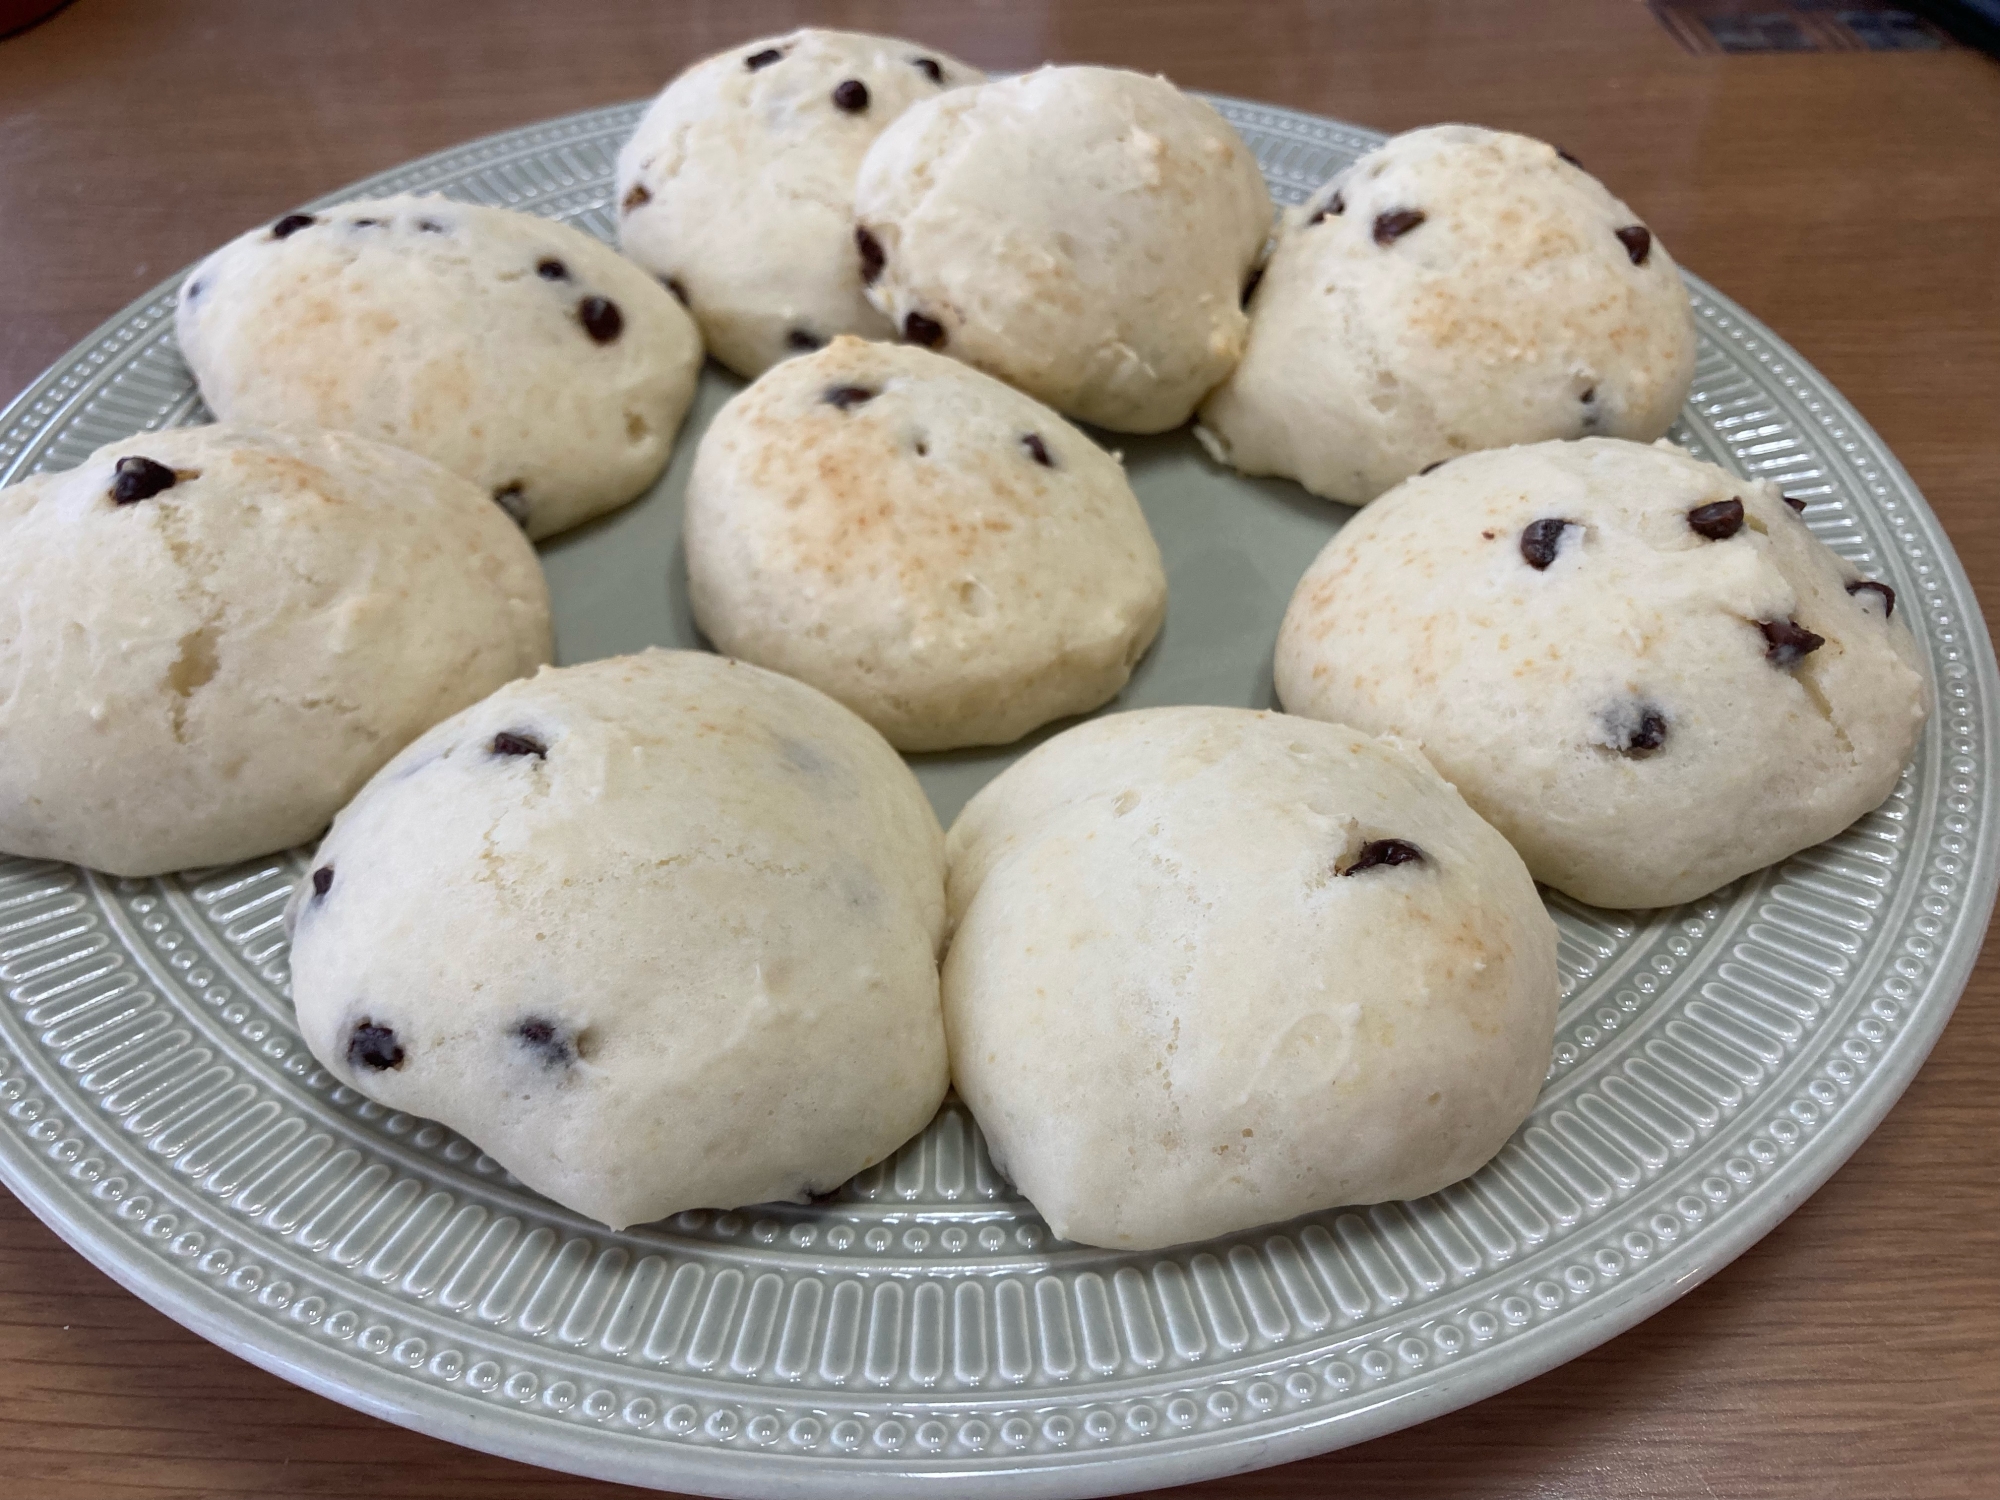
pixel 680 292
pixel 367 223
pixel 1335 207
pixel 291 224
pixel 928 66
pixel 1870 586
pixel 193 290
pixel 851 95
pixel 1638 242
pixel 1788 642
pixel 510 498
pixel 513 742
pixel 1568 158
pixel 429 226
pixel 1384 852
pixel 762 59
pixel 1540 540
pixel 846 397
pixel 1589 395
pixel 1643 733
pixel 1436 464
pixel 871 255
pixel 1798 506
pixel 601 318
pixel 919 329
pixel 1250 286
pixel 636 196
pixel 1037 449
pixel 1398 222
pixel 322 880
pixel 1718 521
pixel 803 338
pixel 374 1047
pixel 546 1040
pixel 139 479
pixel 551 269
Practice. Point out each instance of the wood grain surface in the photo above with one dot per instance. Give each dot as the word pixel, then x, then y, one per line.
pixel 1850 200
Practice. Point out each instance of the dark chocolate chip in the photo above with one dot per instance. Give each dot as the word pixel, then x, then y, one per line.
pixel 551 269
pixel 1568 158
pixel 871 255
pixel 1718 521
pixel 638 195
pixel 1870 586
pixel 1646 734
pixel 1589 395
pixel 1540 540
pixel 1788 642
pixel 680 292
pixel 846 397
pixel 1384 852
pixel 1398 222
pixel 803 338
pixel 1434 464
pixel 762 59
pixel 374 1047
pixel 1798 506
pixel 601 318
pixel 851 95
pixel 140 479
pixel 322 880
pixel 512 742
pixel 1335 207
pixel 291 224
pixel 1250 286
pixel 546 1040
pixel 928 66
pixel 429 226
pixel 919 329
pixel 1638 242
pixel 511 499
pixel 367 223
pixel 1037 449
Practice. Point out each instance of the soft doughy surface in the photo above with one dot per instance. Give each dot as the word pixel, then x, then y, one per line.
pixel 1530 690
pixel 208 673
pixel 880 522
pixel 458 332
pixel 738 185
pixel 1081 233
pixel 1512 313
pixel 670 945
pixel 1173 1014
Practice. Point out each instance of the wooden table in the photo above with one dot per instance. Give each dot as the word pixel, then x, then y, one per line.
pixel 1851 200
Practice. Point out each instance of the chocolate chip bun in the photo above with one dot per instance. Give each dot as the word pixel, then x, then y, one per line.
pixel 944 555
pixel 213 636
pixel 1081 233
pixel 657 933
pixel 1647 672
pixel 516 351
pixel 1455 289
pixel 1214 968
pixel 737 188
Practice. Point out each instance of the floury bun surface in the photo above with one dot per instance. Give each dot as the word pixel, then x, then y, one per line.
pixel 657 933
pixel 210 637
pixel 944 555
pixel 1455 289
pixel 1081 233
pixel 518 352
pixel 1647 672
pixel 737 188
pixel 1213 968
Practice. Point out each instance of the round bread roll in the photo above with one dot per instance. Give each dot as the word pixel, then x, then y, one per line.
pixel 516 351
pixel 1082 233
pixel 944 555
pixel 658 933
pixel 737 188
pixel 1215 968
pixel 212 636
pixel 1455 289
pixel 1647 672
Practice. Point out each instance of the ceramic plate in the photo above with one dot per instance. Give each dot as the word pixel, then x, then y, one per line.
pixel 1712 1064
